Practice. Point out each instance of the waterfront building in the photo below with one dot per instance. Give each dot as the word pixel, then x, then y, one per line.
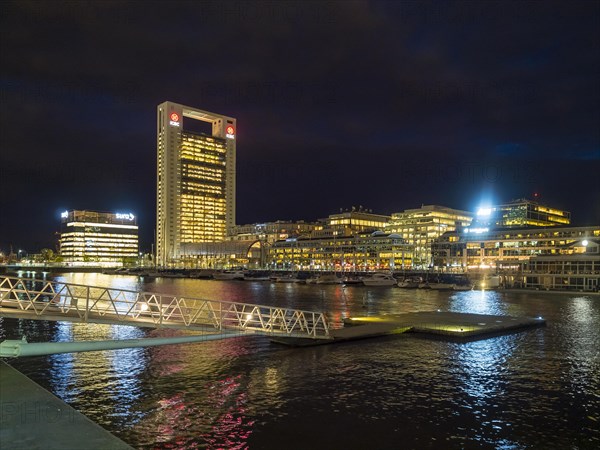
pixel 247 253
pixel 335 228
pixel 349 222
pixel 420 227
pixel 510 252
pixel 195 179
pixel 521 213
pixel 361 252
pixel 270 232
pixel 576 271
pixel 98 238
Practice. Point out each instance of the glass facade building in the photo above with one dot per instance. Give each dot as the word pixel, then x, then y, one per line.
pixel 98 238
pixel 522 213
pixel 362 252
pixel 420 227
pixel 508 248
pixel 195 180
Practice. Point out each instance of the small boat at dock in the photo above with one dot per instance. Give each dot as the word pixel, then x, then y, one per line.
pixel 229 275
pixel 379 279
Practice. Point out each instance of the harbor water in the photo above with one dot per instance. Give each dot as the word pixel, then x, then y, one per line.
pixel 538 388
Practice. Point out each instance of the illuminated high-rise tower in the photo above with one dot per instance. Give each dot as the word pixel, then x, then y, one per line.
pixel 195 180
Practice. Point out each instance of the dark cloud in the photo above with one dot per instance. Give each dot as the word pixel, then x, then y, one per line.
pixel 384 104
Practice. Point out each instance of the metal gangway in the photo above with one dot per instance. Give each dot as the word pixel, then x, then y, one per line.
pixel 27 298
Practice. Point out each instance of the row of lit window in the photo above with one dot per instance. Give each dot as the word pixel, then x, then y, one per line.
pixel 202 208
pixel 551 211
pixel 192 148
pixel 70 245
pixel 98 237
pixel 193 214
pixel 202 172
pixel 207 140
pixel 429 215
pixel 202 201
pixel 202 224
pixel 112 242
pixel 205 158
pixel 98 251
pixel 194 187
pixel 358 222
pixel 96 234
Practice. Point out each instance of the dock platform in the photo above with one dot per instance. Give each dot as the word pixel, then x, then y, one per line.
pixel 449 325
pixel 33 418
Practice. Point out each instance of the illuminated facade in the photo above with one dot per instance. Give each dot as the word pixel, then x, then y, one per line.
pixel 195 180
pixel 522 213
pixel 270 232
pixel 362 252
pixel 350 222
pixel 579 271
pixel 98 238
pixel 247 253
pixel 508 249
pixel 420 227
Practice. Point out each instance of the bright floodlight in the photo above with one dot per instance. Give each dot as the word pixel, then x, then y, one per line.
pixel 585 243
pixel 484 211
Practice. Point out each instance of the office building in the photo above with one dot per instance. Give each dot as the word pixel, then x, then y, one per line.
pixel 349 222
pixel 270 232
pixel 420 227
pixel 98 238
pixel 521 213
pixel 195 179
pixel 474 249
pixel 360 252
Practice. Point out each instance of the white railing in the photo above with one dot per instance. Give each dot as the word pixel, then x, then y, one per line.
pixel 49 300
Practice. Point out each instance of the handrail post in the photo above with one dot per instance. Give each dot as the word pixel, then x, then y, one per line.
pixel 87 304
pixel 160 311
pixel 220 316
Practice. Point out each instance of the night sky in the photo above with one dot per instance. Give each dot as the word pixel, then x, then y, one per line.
pixel 388 105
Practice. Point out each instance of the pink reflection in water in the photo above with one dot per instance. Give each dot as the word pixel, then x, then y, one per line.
pixel 223 415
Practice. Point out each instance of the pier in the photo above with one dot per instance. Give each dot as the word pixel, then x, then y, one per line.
pixel 23 298
pixel 448 325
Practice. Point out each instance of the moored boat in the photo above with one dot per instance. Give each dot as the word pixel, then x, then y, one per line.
pixel 409 283
pixel 379 279
pixel 353 280
pixel 441 286
pixel 462 287
pixel 229 275
pixel 288 278
pixel 329 279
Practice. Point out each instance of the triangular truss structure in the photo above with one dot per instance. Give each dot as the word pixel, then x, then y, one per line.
pixel 50 300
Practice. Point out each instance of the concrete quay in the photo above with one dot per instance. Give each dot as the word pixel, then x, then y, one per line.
pixel 449 325
pixel 33 418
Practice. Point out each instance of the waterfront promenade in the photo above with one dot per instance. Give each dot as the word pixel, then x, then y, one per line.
pixel 32 418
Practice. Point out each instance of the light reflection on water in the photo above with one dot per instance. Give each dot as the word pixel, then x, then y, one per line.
pixel 513 391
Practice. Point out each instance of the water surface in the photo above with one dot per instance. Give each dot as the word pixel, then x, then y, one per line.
pixel 539 388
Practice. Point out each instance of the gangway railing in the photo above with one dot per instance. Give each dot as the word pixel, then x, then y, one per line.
pixel 51 300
